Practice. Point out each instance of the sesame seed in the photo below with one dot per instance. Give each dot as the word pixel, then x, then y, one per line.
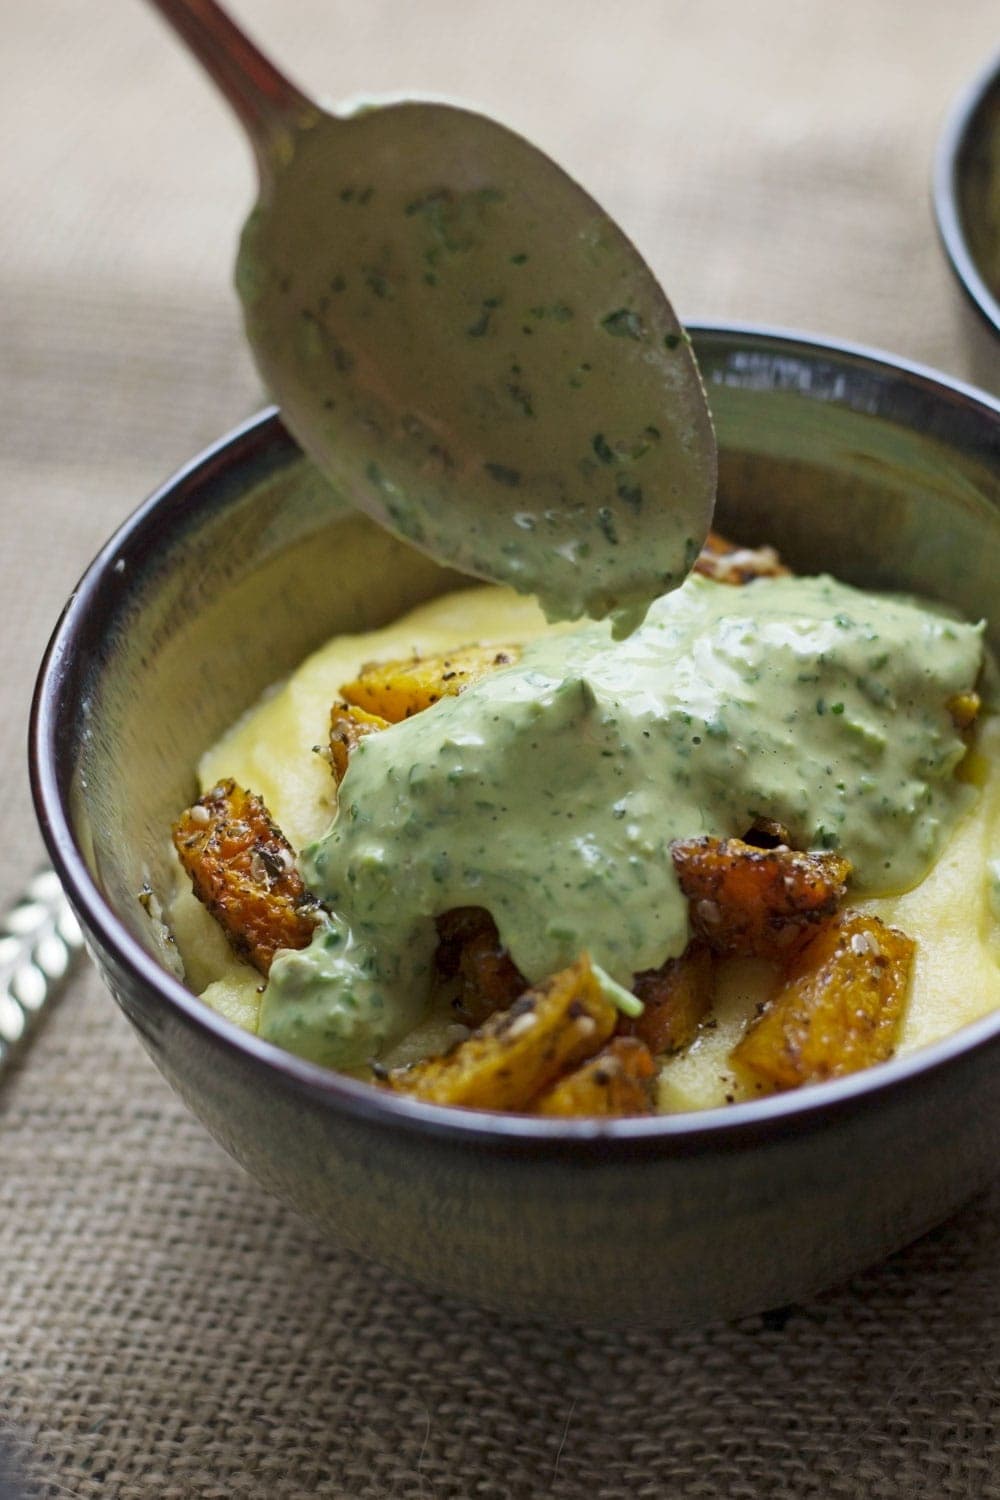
pixel 709 913
pixel 521 1024
pixel 199 814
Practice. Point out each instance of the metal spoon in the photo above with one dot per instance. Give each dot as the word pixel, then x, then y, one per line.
pixel 464 342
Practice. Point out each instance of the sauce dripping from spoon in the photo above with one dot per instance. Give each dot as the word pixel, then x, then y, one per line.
pixel 466 345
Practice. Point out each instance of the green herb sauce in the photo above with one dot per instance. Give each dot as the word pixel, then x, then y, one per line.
pixel 550 792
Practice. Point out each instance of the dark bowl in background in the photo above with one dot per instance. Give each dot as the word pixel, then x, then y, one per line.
pixel 243 563
pixel 967 209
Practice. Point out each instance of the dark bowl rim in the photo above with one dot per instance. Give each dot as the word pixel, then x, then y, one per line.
pixel 728 1127
pixel 945 192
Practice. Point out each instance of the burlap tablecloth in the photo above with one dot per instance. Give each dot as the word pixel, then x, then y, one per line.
pixel 165 1329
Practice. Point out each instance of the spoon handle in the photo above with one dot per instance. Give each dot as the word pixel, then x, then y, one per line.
pixel 40 943
pixel 266 103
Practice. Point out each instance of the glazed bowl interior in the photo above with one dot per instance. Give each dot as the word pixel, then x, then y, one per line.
pixel 246 562
pixel 967 207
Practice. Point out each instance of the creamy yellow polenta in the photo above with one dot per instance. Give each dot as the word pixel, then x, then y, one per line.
pixel 273 752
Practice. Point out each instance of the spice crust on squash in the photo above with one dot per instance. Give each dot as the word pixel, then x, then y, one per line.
pixel 752 902
pixel 520 1052
pixel 242 868
pixel 396 690
pixel 838 1008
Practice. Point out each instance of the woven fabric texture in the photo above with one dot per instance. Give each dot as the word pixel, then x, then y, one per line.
pixel 166 1330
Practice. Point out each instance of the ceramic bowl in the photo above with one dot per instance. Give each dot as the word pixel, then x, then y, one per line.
pixel 243 563
pixel 967 208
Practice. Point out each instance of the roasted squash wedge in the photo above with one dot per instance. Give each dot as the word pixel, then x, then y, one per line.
pixel 520 1051
pixel 396 690
pixel 838 1009
pixel 242 868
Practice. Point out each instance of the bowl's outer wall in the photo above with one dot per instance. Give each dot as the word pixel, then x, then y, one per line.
pixel 980 341
pixel 884 478
pixel 665 1237
pixel 967 206
pixel 977 169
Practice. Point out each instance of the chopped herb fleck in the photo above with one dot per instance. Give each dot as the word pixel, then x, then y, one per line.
pixel 377 282
pixel 503 475
pixel 430 201
pixel 623 323
pixel 606 522
pixel 630 493
pixel 480 327
pixel 519 395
